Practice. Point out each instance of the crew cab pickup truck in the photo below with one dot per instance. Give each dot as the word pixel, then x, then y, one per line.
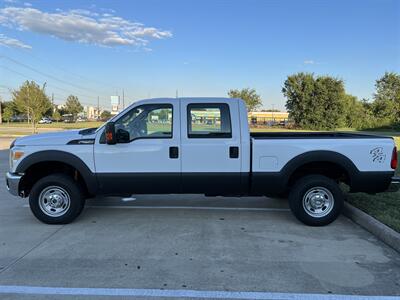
pixel 196 145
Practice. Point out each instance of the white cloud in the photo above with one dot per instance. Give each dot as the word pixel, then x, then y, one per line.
pixel 309 62
pixel 11 42
pixel 27 4
pixel 82 26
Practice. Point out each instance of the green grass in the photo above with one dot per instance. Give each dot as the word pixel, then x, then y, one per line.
pixel 384 207
pixel 60 125
pixel 23 128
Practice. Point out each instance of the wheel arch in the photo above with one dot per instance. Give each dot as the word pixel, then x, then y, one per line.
pixel 329 163
pixel 56 159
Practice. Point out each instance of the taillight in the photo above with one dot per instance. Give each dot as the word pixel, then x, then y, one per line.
pixel 393 162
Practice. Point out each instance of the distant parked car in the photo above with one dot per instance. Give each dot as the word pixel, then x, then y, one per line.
pixel 19 118
pixel 81 119
pixel 45 120
pixel 68 118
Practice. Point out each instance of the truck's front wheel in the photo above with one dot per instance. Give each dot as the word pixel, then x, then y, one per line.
pixel 56 199
pixel 316 200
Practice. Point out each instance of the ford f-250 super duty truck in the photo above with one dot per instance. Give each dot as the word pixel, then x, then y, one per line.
pixel 196 145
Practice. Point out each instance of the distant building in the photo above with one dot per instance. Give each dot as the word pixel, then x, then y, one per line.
pixel 92 112
pixel 115 105
pixel 60 106
pixel 267 117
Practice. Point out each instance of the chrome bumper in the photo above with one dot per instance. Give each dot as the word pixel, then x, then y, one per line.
pixel 395 184
pixel 12 182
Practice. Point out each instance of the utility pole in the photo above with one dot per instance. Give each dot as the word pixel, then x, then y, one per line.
pixel 52 102
pixel 98 107
pixel 176 94
pixel 123 99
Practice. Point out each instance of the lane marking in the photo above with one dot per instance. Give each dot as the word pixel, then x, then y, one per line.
pixel 121 292
pixel 186 207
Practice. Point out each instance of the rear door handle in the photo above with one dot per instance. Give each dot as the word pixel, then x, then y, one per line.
pixel 233 152
pixel 173 152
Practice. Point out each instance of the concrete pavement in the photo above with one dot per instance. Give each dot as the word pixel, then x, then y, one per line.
pixel 190 242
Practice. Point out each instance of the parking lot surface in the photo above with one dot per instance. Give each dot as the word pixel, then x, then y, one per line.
pixel 187 246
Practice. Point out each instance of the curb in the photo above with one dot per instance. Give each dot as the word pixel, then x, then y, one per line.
pixel 380 230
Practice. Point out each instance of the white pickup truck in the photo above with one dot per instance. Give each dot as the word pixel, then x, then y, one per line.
pixel 196 145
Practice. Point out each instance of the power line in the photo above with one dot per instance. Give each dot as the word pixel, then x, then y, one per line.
pixel 47 75
pixel 52 85
pixel 68 92
pixel 71 73
pixel 56 87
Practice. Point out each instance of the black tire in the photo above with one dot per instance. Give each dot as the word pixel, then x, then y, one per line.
pixel 68 187
pixel 317 186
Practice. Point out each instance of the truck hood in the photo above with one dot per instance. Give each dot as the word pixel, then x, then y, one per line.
pixel 54 138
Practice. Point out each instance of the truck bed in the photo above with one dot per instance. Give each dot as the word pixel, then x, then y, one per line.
pixel 314 135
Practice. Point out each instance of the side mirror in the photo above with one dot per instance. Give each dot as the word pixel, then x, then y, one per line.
pixel 122 136
pixel 111 139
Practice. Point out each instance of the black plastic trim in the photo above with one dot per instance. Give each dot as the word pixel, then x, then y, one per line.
pixel 224 184
pixel 64 157
pixel 81 142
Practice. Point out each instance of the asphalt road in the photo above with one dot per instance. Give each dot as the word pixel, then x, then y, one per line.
pixel 187 246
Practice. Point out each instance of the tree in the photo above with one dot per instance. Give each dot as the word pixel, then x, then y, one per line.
pixel 56 116
pixel 314 102
pixel 386 105
pixel 250 97
pixel 105 115
pixel 8 113
pixel 355 113
pixel 73 106
pixel 32 100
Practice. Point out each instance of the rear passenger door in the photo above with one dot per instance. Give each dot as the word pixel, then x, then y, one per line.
pixel 210 143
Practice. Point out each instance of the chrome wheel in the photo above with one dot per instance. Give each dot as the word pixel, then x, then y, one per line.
pixel 318 202
pixel 54 201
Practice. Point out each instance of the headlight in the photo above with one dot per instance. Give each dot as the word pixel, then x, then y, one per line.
pixel 15 155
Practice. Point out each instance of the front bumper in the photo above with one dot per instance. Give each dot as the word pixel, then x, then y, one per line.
pixel 12 182
pixel 394 184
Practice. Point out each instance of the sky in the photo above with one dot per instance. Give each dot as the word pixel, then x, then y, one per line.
pixel 160 48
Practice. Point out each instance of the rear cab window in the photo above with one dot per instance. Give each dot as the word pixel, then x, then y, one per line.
pixel 209 120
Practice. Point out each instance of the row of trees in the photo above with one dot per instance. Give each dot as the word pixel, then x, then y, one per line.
pixel 31 100
pixel 321 102
pixel 313 102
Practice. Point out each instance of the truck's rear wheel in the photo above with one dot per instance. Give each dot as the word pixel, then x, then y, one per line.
pixel 56 199
pixel 316 200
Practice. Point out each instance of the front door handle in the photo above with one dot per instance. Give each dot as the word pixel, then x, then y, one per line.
pixel 233 152
pixel 173 152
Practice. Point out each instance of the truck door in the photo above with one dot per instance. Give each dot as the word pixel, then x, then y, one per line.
pixel 146 158
pixel 210 143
